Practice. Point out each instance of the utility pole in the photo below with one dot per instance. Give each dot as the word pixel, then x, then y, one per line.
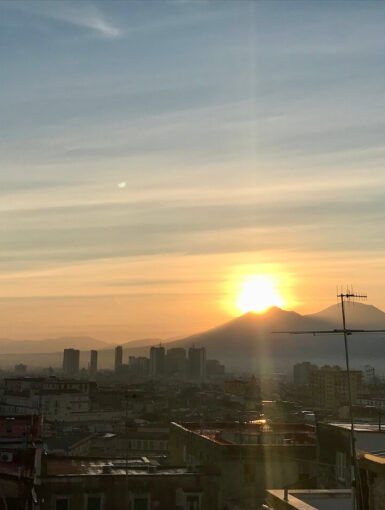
pixel 343 297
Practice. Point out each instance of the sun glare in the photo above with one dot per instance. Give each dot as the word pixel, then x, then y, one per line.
pixel 258 293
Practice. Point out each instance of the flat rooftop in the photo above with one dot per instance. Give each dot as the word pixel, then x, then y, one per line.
pixel 324 499
pixel 254 433
pixel 360 427
pixel 83 466
pixel 369 437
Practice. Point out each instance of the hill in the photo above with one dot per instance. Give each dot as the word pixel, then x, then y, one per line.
pixel 358 315
pixel 50 345
pixel 144 342
pixel 248 342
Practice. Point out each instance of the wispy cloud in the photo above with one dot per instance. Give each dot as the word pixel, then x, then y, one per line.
pixel 80 14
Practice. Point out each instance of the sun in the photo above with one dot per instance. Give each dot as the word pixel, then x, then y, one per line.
pixel 258 293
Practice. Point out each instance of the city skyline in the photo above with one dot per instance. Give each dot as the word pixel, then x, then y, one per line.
pixel 156 158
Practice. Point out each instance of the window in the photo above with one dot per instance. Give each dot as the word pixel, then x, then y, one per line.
pixel 249 473
pixel 141 503
pixel 61 504
pixel 192 502
pixel 94 502
pixel 341 466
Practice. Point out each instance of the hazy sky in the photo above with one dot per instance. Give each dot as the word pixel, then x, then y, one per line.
pixel 152 154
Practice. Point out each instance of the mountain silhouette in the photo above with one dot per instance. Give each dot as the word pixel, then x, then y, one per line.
pixel 248 341
pixel 244 343
pixel 358 315
pixel 50 345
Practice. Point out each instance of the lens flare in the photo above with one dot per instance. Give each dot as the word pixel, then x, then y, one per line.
pixel 259 293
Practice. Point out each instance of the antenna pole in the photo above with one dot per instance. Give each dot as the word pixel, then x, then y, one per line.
pixel 357 484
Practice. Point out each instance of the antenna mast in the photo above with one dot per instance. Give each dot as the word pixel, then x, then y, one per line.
pixel 347 296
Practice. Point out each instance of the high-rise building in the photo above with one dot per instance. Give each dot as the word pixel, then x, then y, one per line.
pixel 118 358
pixel 157 362
pixel 197 363
pixel 302 373
pixel 329 387
pixel 71 362
pixel 214 368
pixel 93 368
pixel 176 362
pixel 139 367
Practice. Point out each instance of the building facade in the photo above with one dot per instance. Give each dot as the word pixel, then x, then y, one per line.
pixel 248 459
pixel 197 364
pixel 70 483
pixel 302 373
pixel 71 359
pixel 157 362
pixel 55 399
pixel 176 362
pixel 93 368
pixel 329 387
pixel 118 358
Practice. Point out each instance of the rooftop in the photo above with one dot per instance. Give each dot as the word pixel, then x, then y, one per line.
pixel 369 436
pixel 20 426
pixel 326 499
pixel 85 466
pixel 65 442
pixel 360 427
pixel 254 433
pixel 374 463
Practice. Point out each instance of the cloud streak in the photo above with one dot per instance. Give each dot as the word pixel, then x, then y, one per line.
pixel 78 14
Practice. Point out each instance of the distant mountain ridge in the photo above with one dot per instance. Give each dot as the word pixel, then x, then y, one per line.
pixel 247 341
pixel 358 315
pixel 50 345
pixel 244 342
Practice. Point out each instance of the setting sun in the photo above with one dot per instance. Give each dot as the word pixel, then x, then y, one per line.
pixel 257 294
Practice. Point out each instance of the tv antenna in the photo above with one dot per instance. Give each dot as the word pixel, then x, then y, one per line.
pixel 343 297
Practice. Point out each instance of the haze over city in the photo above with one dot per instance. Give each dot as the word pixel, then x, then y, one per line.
pixel 166 169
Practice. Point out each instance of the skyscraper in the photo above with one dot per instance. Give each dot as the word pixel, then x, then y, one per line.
pixel 157 362
pixel 118 358
pixel 197 363
pixel 330 390
pixel 302 373
pixel 176 362
pixel 71 362
pixel 93 368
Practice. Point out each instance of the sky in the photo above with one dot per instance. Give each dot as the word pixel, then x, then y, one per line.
pixel 154 156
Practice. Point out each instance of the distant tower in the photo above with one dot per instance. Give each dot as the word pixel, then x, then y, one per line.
pixel 197 363
pixel 71 362
pixel 118 358
pixel 157 362
pixel 93 368
pixel 176 362
pixel 302 373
